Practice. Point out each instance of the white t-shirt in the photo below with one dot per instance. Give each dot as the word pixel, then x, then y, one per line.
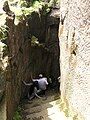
pixel 42 82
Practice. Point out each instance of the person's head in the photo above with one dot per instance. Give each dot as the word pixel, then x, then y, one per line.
pixel 59 79
pixel 40 75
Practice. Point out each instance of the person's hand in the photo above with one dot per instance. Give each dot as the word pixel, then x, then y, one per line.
pixel 23 81
pixel 27 84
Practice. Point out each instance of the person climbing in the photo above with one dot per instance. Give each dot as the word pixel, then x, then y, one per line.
pixel 42 84
pixel 37 87
pixel 33 89
pixel 36 90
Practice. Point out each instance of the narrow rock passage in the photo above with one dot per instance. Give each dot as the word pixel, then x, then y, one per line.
pixel 44 109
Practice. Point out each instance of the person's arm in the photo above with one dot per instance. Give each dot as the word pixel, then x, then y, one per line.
pixel 46 81
pixel 37 96
pixel 27 84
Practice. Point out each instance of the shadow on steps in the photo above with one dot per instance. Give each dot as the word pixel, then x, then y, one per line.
pixel 41 109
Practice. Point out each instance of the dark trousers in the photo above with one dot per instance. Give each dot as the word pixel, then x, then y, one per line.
pixel 42 92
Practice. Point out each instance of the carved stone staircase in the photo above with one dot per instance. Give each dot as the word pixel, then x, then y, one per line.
pixel 44 109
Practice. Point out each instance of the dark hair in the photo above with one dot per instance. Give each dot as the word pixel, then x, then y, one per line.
pixel 35 83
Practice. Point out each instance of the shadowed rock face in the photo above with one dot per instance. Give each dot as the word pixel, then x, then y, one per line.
pixel 45 28
pixel 25 58
pixel 2 85
pixel 19 47
pixel 37 25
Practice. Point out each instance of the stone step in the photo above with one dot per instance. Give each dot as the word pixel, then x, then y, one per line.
pixel 38 102
pixel 46 113
pixel 44 109
pixel 38 108
pixel 53 116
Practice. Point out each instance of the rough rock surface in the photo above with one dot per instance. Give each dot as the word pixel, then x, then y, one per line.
pixel 2 78
pixel 44 109
pixel 17 70
pixel 3 110
pixel 2 84
pixel 74 39
pixel 45 58
pixel 26 59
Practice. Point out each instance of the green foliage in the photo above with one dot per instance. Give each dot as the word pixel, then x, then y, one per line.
pixel 23 8
pixel 28 3
pixel 53 2
pixel 5 51
pixel 36 6
pixel 23 3
pixel 3 39
pixel 3 32
pixel 34 41
pixel 17 115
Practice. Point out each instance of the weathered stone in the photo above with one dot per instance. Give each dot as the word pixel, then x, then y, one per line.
pixel 2 89
pixel 2 86
pixel 17 70
pixel 28 60
pixel 3 109
pixel 74 57
pixel 37 23
pixel 2 69
pixel 54 17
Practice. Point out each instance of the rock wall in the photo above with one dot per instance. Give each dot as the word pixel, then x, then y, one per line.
pixel 74 38
pixel 46 52
pixel 2 85
pixel 33 49
pixel 3 64
pixel 17 70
